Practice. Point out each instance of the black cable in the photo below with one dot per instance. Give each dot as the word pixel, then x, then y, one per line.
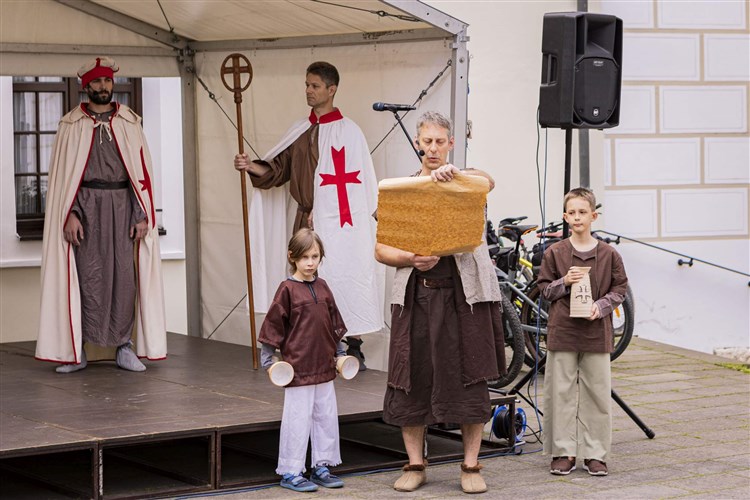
pixel 538 173
pixel 421 96
pixel 542 193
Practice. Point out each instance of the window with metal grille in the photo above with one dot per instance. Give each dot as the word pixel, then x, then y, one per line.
pixel 38 104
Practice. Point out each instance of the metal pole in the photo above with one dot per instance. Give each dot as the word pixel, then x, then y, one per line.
pixel 190 193
pixel 568 147
pixel 584 164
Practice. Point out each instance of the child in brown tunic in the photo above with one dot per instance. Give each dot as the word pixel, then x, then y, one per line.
pixel 304 323
pixel 577 378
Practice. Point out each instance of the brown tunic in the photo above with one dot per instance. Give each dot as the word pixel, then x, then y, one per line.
pixel 106 269
pixel 442 352
pixel 304 323
pixel 296 165
pixel 609 285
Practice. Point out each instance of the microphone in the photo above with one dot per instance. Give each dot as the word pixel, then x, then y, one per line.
pixel 421 152
pixel 383 106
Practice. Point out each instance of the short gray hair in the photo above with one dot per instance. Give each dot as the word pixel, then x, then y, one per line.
pixel 435 118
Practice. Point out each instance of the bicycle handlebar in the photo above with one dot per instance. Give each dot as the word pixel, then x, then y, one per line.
pixel 550 228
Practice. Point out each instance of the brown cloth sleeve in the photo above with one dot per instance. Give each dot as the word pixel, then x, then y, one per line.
pixel 274 328
pixel 280 171
pixel 616 294
pixel 338 326
pixel 138 214
pixel 547 282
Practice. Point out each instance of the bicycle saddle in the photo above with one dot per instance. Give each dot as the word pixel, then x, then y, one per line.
pixel 519 230
pixel 511 220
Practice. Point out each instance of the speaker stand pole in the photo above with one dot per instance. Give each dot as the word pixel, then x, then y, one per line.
pixel 646 430
pixel 566 187
pixel 516 390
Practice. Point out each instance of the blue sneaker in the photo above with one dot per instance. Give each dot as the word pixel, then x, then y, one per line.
pixel 297 483
pixel 323 477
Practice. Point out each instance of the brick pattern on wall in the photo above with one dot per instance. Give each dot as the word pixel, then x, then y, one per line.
pixel 682 146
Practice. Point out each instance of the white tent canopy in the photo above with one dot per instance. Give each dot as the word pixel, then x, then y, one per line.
pixel 388 50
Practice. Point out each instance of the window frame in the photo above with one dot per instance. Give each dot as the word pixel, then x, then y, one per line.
pixel 31 226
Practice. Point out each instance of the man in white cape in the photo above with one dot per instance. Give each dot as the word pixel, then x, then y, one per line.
pixel 101 265
pixel 326 162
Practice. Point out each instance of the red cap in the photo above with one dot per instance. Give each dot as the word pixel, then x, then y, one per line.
pixel 97 68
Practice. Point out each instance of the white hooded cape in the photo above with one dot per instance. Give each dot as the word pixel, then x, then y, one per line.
pixel 349 267
pixel 60 335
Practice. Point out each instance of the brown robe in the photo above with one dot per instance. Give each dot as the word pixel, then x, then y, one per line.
pixel 442 352
pixel 608 282
pixel 304 323
pixel 104 259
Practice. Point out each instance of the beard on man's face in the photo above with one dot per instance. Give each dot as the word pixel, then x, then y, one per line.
pixel 101 97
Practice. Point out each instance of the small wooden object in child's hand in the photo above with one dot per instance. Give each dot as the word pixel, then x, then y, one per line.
pixel 347 366
pixel 581 299
pixel 281 373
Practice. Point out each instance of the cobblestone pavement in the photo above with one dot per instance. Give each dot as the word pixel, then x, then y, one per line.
pixel 699 410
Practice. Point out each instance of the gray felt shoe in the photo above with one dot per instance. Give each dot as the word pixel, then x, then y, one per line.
pixel 73 367
pixel 127 360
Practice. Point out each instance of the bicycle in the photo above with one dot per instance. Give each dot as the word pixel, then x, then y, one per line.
pixel 502 255
pixel 512 288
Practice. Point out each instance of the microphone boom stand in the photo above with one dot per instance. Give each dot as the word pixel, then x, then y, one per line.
pixel 419 153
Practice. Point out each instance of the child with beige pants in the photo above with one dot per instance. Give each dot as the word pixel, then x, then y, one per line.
pixel 577 378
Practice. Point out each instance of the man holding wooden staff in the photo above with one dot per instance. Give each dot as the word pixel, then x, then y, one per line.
pixel 446 317
pixel 326 161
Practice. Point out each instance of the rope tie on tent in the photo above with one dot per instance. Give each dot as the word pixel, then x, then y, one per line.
pixel 212 96
pixel 416 102
pixel 227 316
pixel 379 13
pixel 171 28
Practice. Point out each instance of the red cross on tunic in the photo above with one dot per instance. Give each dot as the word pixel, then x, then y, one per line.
pixel 146 186
pixel 340 179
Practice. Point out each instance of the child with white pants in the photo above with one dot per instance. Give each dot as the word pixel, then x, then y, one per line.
pixel 304 323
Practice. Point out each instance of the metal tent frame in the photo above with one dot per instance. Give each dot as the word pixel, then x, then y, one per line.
pixel 433 25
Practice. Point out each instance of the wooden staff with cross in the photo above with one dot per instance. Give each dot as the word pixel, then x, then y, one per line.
pixel 238 65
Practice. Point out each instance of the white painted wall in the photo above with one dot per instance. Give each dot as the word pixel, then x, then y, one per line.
pixel 680 164
pixel 673 173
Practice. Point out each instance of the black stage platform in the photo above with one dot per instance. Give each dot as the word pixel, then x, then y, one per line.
pixel 200 420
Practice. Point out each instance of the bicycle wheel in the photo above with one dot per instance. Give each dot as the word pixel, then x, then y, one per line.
pixel 623 324
pixel 534 350
pixel 514 345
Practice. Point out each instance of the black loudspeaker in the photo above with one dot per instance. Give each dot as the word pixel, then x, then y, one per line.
pixel 581 70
